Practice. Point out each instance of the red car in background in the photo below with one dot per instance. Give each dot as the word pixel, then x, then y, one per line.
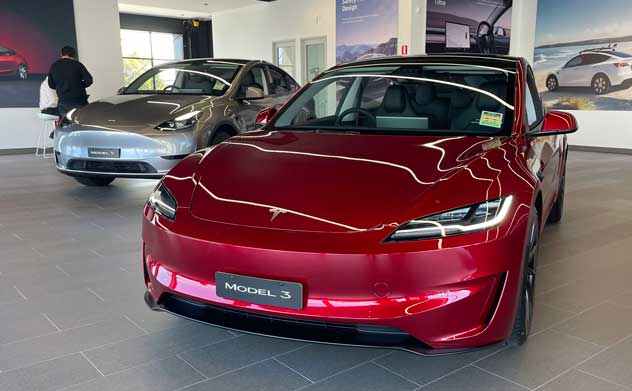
pixel 12 64
pixel 392 202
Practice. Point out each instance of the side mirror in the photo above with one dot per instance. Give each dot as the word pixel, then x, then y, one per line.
pixel 120 91
pixel 253 93
pixel 265 116
pixel 555 123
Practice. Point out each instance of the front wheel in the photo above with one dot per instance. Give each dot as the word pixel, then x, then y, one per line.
pixel 23 72
pixel 524 314
pixel 600 84
pixel 551 83
pixel 558 208
pixel 94 181
pixel 220 136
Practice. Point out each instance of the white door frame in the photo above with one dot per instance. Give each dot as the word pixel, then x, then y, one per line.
pixel 304 42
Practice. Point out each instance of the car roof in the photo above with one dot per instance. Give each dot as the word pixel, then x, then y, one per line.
pixel 498 61
pixel 236 61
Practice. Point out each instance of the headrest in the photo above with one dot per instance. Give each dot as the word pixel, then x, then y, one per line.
pixel 395 99
pixel 460 99
pixel 486 102
pixel 425 94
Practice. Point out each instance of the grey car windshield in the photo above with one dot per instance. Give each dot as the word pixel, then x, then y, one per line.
pixel 186 79
pixel 406 99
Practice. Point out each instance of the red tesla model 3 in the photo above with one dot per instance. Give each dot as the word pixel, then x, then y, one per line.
pixel 12 64
pixel 393 202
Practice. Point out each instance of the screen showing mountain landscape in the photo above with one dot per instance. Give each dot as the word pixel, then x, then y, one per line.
pixel 366 29
pixel 585 62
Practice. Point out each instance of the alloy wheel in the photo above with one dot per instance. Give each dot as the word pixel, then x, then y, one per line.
pixel 551 84
pixel 600 85
pixel 23 72
pixel 529 287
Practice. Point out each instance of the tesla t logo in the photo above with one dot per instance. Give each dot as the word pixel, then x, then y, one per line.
pixel 276 212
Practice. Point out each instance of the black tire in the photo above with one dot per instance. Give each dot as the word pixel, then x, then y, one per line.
pixel 551 83
pixel 558 208
pixel 600 84
pixel 22 72
pixel 220 135
pixel 524 313
pixel 94 181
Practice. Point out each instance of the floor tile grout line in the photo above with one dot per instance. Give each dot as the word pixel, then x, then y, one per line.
pixel 461 368
pixel 63 271
pixel 137 325
pixel 96 294
pixel 51 321
pixel 395 373
pixel 569 369
pixel 500 377
pixel 91 363
pixel 20 293
pixel 293 370
pixel 602 379
pixel 578 338
pixel 575 315
pixel 345 370
pixel 191 365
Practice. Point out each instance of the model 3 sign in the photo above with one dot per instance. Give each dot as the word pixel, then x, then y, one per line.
pixel 107 153
pixel 259 290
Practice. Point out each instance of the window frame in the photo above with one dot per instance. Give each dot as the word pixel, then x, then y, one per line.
pixel 152 60
pixel 531 92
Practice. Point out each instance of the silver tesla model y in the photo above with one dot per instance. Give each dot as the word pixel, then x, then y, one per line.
pixel 167 113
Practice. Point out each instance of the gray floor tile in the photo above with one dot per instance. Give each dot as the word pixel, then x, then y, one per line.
pixel 49 375
pixel 315 361
pixel 614 364
pixel 426 369
pixel 540 359
pixel 472 379
pixel 367 377
pixel 578 381
pixel 236 353
pixel 26 325
pixel 546 316
pixel 162 375
pixel 135 351
pixel 71 341
pixel 266 376
pixel 604 324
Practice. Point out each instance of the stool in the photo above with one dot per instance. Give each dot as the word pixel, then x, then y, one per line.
pixel 47 125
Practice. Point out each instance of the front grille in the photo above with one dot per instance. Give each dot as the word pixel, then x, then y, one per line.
pixel 289 328
pixel 121 167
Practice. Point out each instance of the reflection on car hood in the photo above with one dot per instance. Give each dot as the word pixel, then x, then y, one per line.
pixel 136 111
pixel 324 182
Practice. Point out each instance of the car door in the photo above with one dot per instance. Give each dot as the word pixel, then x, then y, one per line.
pixel 248 109
pixel 544 152
pixel 282 85
pixel 568 75
pixel 590 67
pixel 7 61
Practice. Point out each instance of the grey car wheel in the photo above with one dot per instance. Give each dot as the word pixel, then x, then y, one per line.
pixel 600 84
pixel 94 181
pixel 551 83
pixel 23 72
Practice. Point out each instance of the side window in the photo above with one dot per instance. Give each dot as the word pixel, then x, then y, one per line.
pixel 280 82
pixel 255 77
pixel 574 62
pixel 374 92
pixel 534 110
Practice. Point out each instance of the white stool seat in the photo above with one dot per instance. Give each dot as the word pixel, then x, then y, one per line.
pixel 47 125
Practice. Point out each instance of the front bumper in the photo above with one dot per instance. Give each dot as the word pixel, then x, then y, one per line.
pixel 140 156
pixel 433 298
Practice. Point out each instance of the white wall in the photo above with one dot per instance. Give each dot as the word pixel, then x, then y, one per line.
pixel 99 46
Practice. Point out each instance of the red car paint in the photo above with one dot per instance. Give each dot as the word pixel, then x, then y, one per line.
pixel 343 200
pixel 10 61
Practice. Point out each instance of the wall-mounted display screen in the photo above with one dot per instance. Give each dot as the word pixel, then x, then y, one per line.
pixel 457 36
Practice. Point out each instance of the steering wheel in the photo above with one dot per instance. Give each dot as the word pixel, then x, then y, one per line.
pixel 171 88
pixel 359 110
pixel 485 41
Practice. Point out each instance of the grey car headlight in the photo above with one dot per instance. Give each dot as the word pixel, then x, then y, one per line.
pixel 478 217
pixel 162 202
pixel 184 121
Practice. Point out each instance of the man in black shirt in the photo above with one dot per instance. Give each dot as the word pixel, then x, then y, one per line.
pixel 69 78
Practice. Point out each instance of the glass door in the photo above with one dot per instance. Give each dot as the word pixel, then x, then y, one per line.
pixel 314 57
pixel 285 56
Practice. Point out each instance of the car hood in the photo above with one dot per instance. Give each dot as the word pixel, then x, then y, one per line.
pixel 328 182
pixel 127 112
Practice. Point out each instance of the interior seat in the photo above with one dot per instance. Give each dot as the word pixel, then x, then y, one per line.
pixel 466 115
pixel 396 103
pixel 427 104
pixel 249 81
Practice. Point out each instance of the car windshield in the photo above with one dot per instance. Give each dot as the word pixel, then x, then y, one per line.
pixel 210 78
pixel 406 99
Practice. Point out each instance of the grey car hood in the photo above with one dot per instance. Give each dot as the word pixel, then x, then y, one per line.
pixel 137 112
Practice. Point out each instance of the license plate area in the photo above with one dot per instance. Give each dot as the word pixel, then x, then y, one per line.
pixel 104 153
pixel 274 293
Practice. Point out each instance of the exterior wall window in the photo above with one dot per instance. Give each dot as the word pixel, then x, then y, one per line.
pixel 145 49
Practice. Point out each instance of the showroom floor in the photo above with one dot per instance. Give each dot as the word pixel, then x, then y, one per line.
pixel 72 314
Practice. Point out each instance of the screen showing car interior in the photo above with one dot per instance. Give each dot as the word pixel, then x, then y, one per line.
pixel 409 98
pixel 457 36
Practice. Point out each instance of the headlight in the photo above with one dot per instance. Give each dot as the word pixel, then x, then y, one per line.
pixel 485 215
pixel 162 202
pixel 184 121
